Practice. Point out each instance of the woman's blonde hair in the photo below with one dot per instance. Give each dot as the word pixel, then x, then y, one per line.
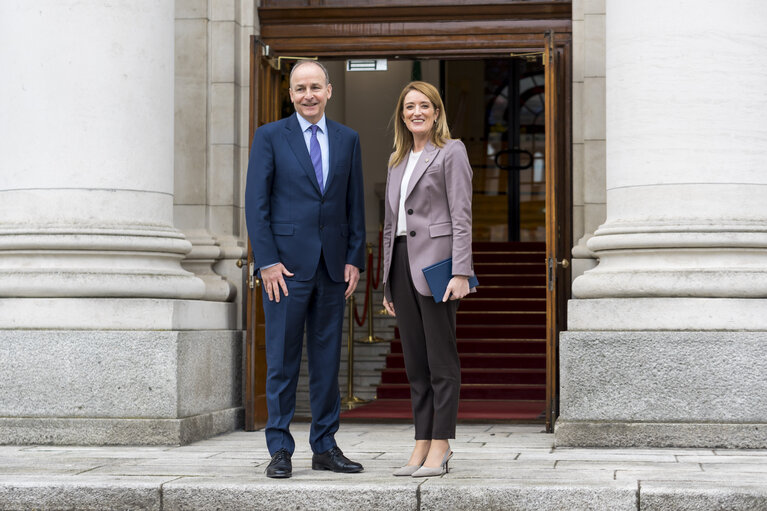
pixel 403 139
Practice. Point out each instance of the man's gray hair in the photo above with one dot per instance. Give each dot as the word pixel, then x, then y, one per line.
pixel 309 61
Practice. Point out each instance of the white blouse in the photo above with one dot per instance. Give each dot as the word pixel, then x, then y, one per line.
pixel 401 216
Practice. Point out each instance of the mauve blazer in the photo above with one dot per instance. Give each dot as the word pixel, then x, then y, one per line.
pixel 438 211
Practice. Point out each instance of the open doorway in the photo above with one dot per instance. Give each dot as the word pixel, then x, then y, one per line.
pixel 503 135
pixel 496 107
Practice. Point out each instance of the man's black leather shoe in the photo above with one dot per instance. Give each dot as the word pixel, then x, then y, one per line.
pixel 280 466
pixel 335 460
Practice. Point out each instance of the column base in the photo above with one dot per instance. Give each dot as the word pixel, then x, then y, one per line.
pixel 119 387
pixel 89 431
pixel 660 434
pixel 663 389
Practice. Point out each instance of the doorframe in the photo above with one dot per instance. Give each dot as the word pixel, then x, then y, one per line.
pixel 462 30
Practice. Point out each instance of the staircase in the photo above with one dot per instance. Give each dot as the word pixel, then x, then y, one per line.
pixel 501 340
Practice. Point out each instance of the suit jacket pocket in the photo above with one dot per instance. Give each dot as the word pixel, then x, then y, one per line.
pixel 283 229
pixel 442 229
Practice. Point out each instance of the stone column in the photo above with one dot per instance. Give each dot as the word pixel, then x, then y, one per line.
pixel 96 312
pixel 666 336
pixel 86 191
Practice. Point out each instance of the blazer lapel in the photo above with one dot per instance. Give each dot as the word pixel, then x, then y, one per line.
pixel 426 159
pixel 297 144
pixel 395 184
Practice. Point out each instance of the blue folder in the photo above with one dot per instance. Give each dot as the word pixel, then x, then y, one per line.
pixel 439 274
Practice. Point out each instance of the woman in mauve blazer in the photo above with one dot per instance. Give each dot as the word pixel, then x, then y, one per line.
pixel 427 220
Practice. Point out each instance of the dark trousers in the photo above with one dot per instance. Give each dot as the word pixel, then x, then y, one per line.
pixel 427 331
pixel 318 306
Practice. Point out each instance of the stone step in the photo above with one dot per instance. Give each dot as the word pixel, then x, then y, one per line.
pixel 496 466
pixel 370 490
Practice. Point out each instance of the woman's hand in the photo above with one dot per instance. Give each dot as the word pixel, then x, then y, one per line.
pixel 389 306
pixel 457 288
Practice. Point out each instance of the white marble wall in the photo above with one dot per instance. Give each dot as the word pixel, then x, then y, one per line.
pixel 589 202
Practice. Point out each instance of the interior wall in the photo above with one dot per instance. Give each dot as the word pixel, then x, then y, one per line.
pixel 336 106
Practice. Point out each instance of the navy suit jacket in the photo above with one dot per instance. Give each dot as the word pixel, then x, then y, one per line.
pixel 288 219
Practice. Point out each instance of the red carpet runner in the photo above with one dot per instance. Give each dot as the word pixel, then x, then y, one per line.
pixel 501 342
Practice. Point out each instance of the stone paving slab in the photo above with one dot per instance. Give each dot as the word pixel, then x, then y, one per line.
pixel 761 460
pixel 495 467
pixel 727 467
pixel 626 464
pixel 722 478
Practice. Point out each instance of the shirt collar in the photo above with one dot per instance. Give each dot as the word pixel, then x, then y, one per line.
pixel 305 124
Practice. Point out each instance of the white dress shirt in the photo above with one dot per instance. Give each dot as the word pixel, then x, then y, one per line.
pixel 322 138
pixel 401 216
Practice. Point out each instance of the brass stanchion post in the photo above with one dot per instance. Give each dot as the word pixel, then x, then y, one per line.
pixel 350 401
pixel 371 338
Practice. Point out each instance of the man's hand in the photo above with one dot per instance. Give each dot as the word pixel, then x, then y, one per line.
pixel 457 288
pixel 351 277
pixel 273 281
pixel 389 306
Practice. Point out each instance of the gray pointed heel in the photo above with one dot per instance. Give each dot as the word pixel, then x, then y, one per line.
pixel 408 470
pixel 435 471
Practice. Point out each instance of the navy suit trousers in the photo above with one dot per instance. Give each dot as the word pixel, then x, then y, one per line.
pixel 315 306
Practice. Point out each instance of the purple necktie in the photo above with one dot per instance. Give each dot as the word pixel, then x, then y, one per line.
pixel 316 155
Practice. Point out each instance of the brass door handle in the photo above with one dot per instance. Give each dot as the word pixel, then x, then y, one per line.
pixel 239 263
pixel 564 263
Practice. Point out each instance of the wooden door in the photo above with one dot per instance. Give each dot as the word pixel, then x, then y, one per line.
pixel 264 107
pixel 557 224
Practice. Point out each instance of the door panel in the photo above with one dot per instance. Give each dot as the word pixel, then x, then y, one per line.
pixel 264 108
pixel 557 163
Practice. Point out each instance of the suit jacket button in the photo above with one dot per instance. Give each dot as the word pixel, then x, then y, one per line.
pixel 322 227
pixel 409 211
pixel 412 233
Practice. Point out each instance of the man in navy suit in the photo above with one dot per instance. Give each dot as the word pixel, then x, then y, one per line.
pixel 306 221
